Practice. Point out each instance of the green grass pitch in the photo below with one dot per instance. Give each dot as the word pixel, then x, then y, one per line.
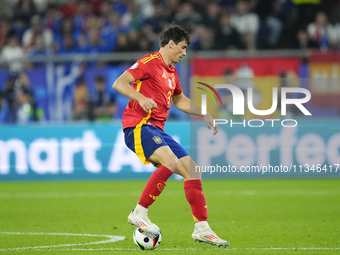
pixel 255 216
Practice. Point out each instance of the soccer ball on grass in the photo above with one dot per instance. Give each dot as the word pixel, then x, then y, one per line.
pixel 146 241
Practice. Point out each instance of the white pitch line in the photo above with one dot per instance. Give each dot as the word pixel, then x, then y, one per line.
pixel 111 239
pixel 201 249
pixel 119 238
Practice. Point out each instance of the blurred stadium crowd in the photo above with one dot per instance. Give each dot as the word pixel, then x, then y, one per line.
pixel 45 27
pixel 35 27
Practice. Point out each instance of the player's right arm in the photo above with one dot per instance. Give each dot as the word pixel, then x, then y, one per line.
pixel 122 85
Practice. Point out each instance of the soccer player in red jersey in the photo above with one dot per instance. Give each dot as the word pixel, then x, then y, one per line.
pixel 155 84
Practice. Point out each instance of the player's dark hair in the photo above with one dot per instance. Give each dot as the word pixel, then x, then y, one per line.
pixel 174 32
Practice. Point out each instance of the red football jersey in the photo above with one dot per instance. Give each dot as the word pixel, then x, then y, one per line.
pixel 156 80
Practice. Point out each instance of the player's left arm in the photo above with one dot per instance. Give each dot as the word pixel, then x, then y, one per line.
pixel 186 105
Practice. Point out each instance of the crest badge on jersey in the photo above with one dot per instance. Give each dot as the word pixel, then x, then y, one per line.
pixel 134 66
pixel 170 84
pixel 157 139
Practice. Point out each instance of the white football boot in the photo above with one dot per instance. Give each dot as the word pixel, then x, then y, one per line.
pixel 203 233
pixel 139 218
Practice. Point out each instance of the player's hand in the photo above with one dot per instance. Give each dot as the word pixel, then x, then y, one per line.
pixel 209 121
pixel 147 104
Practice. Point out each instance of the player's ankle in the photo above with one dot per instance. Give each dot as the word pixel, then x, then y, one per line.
pixel 141 210
pixel 201 225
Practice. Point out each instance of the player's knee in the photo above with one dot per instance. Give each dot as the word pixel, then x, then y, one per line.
pixel 171 163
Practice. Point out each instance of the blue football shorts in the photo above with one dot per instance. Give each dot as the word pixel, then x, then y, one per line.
pixel 144 140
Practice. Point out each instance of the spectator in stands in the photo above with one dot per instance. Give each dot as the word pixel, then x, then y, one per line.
pixel 93 23
pixel 270 24
pixel 302 41
pixel 246 23
pixel 159 20
pixel 82 15
pixel 144 43
pixel 228 5
pixel 207 40
pixel 120 7
pixel 336 21
pixel 23 12
pixel 6 9
pixel 69 8
pixel 27 108
pixel 187 17
pixel 94 46
pixel 5 30
pixel 105 11
pixel 322 32
pixel 11 101
pixel 335 13
pixel 30 36
pixel 68 45
pixel 134 37
pixel 39 49
pixel 111 31
pixel 66 27
pixel 146 7
pixel 41 5
pixel 212 19
pixel 123 43
pixel 12 55
pixel 337 34
pixel 306 10
pixel 3 107
pixel 132 19
pixel 154 25
pixel 53 18
pixel 80 100
pixel 96 5
pixel 172 7
pixel 102 106
pixel 227 37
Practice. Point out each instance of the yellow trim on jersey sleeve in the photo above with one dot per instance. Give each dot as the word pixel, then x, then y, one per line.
pixel 137 133
pixel 139 84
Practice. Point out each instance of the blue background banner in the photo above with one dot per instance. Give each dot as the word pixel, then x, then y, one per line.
pixel 310 149
pixel 74 152
pixel 98 151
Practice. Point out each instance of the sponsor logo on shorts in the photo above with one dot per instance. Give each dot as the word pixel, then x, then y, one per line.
pixel 157 139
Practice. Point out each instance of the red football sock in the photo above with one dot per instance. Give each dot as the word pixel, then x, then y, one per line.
pixel 196 198
pixel 154 186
